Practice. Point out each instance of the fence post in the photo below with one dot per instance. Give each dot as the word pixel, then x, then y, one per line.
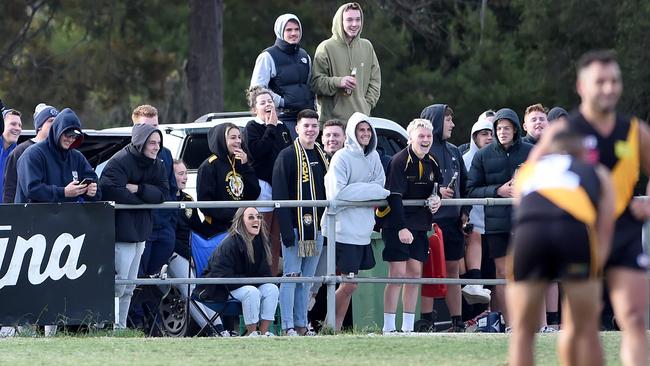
pixel 331 265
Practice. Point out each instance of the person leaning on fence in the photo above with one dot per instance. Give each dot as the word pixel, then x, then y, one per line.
pixel 266 137
pixel 43 119
pixel 133 176
pixel 355 174
pixel 563 228
pixel 53 170
pixel 245 252
pixel 491 175
pixel 299 174
pixel 411 174
pixel 450 219
pixel 332 140
pixel 285 69
pixel 225 176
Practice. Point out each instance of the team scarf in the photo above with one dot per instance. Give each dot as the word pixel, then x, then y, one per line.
pixel 308 218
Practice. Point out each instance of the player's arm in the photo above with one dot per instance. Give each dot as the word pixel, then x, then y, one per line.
pixel 641 208
pixel 605 219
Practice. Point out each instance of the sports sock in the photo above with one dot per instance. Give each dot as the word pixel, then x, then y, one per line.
pixel 389 322
pixel 407 322
pixel 552 318
pixel 427 316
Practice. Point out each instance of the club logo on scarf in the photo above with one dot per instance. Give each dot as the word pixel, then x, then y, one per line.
pixel 307 219
pixel 188 213
pixel 235 185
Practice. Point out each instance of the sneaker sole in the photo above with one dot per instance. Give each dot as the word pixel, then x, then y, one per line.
pixel 476 299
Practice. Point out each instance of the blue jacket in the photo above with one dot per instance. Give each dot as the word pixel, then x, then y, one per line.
pixel 45 168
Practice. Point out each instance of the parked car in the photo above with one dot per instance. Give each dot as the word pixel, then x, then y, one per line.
pixel 189 142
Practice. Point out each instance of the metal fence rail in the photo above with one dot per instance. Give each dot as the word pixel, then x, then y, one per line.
pixel 331 279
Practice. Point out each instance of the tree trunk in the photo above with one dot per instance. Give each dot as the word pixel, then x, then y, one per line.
pixel 205 64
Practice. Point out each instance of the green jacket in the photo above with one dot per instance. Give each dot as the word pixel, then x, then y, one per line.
pixel 336 58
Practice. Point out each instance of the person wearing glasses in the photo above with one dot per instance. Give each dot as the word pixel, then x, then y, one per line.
pixel 245 252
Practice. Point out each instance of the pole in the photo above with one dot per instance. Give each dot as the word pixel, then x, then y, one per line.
pixel 331 266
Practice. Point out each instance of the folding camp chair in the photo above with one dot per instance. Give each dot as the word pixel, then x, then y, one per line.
pixel 201 249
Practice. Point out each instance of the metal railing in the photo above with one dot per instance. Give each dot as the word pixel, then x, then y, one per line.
pixel 330 279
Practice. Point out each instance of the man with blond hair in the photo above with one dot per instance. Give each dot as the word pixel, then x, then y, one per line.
pixel 535 121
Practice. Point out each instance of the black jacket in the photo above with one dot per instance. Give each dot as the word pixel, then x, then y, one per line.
pixel 231 260
pixel 450 161
pixel 493 166
pixel 265 143
pixel 218 180
pixel 130 165
pixel 188 220
pixel 11 171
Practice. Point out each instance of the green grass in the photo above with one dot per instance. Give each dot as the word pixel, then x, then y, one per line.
pixel 438 349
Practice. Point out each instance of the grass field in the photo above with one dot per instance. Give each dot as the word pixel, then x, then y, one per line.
pixel 435 349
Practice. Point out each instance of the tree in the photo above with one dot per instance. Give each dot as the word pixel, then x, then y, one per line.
pixel 205 63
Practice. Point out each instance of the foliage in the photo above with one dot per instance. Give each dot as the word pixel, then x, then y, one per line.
pixel 103 58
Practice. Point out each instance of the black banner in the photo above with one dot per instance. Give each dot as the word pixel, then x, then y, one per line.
pixel 57 263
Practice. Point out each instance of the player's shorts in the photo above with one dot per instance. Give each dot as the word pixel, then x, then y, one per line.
pixel 497 244
pixel 350 258
pixel 453 239
pixel 627 247
pixel 551 249
pixel 396 251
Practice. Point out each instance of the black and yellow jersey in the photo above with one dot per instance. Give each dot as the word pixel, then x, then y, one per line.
pixel 619 152
pixel 557 187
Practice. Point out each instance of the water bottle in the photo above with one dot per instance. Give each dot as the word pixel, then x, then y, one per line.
pixel 353 73
pixel 434 198
pixel 452 183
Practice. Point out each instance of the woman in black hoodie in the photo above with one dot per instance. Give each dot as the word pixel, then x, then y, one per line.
pixel 225 176
pixel 133 176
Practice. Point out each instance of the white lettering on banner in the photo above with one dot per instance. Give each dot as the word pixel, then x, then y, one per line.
pixel 37 244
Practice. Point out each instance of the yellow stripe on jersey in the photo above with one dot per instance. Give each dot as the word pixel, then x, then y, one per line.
pixel 575 201
pixel 524 174
pixel 625 173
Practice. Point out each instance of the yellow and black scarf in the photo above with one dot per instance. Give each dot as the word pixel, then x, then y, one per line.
pixel 308 218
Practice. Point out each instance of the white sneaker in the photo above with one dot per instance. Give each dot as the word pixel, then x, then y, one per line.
pixel 476 294
pixel 292 333
pixel 310 333
pixel 547 329
pixel 269 334
pixel 255 334
pixel 508 330
pixel 224 333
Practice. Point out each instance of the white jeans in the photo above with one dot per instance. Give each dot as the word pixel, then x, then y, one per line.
pixel 127 262
pixel 257 302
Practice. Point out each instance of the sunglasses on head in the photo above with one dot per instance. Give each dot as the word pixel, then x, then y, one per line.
pixel 70 134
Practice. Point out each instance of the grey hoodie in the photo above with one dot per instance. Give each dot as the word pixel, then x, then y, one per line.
pixel 476 216
pixel 355 175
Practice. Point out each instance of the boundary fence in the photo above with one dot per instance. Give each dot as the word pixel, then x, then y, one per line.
pixel 330 279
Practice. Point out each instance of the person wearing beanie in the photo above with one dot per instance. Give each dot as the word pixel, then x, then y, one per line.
pixel 557 113
pixel 285 69
pixel 491 176
pixel 346 74
pixel 53 170
pixel 43 117
pixel 12 128
pixel 135 175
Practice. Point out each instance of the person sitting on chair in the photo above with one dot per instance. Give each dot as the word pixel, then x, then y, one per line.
pixel 245 252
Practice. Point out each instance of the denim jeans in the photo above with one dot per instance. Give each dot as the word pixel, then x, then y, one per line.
pixel 294 297
pixel 257 302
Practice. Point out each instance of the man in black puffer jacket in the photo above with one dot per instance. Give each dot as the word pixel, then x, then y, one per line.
pixel 491 175
pixel 134 176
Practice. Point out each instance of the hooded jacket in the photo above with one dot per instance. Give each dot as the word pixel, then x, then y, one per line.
pixel 285 69
pixel 355 174
pixel 334 59
pixel 450 161
pixel 477 215
pixel 130 165
pixel 45 169
pixel 223 178
pixel 493 166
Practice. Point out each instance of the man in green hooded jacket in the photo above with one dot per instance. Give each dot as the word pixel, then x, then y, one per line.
pixel 346 76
